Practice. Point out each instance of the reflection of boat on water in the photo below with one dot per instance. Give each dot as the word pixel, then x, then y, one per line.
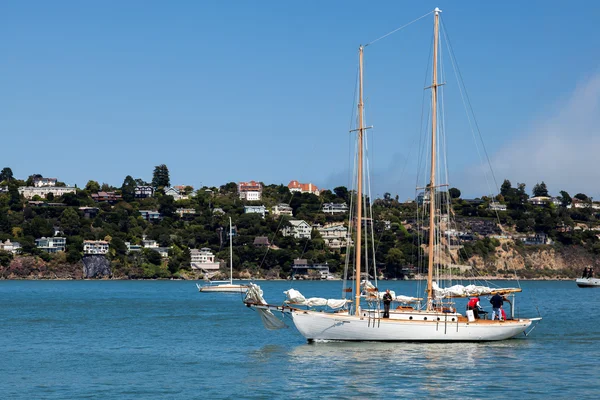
pixel 319 319
pixel 225 286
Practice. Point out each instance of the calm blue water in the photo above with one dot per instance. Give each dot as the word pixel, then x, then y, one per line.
pixel 164 340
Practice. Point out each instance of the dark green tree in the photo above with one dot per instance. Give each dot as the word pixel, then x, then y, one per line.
pixel 341 192
pixel 69 221
pixel 581 196
pixel 6 174
pixel 128 189
pixel 92 187
pixel 565 199
pixel 540 189
pixel 454 193
pixel 506 188
pixel 160 177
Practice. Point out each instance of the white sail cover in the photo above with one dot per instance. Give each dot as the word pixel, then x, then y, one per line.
pixel 295 297
pixel 400 298
pixel 466 291
pixel 269 320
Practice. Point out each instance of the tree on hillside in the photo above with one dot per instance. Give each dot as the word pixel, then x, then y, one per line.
pixel 128 188
pixel 342 193
pixel 565 199
pixel 92 187
pixel 540 189
pixel 454 193
pixel 581 196
pixel 160 177
pixel 6 174
pixel 506 188
pixel 69 221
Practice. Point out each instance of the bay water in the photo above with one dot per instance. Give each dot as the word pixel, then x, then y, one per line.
pixel 165 340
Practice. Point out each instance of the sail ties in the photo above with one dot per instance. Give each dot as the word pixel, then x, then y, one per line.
pixel 469 290
pixel 293 296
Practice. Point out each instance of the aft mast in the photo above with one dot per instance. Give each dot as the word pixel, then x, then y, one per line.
pixel 359 199
pixel 434 86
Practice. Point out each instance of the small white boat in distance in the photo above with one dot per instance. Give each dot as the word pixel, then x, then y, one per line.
pixel 588 282
pixel 225 286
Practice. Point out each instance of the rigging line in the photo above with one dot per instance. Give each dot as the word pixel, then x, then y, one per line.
pixel 398 29
pixel 453 57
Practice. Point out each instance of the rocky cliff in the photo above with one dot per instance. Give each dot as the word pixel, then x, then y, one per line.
pixel 96 266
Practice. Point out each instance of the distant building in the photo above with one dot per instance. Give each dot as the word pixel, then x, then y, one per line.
pixel 89 212
pixel 175 194
pixel 51 244
pixel 251 191
pixel 30 191
pixel 203 259
pixel 335 235
pixel 142 192
pixel 133 247
pixel 296 186
pixel 95 247
pixel 282 209
pixel 218 211
pixel 255 210
pixel 261 241
pixel 335 208
pixel 12 247
pixel 44 182
pixel 150 215
pixel 497 207
pixel 299 229
pixel 537 239
pixel 108 197
pixel 302 270
pixel 188 212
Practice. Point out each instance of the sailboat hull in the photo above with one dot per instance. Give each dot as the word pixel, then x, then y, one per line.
pixel 326 326
pixel 588 282
pixel 224 288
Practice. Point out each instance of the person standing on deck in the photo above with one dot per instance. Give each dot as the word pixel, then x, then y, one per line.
pixel 387 300
pixel 497 302
pixel 474 305
pixel 585 273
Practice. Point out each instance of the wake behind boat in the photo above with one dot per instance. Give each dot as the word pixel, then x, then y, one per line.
pixel 412 320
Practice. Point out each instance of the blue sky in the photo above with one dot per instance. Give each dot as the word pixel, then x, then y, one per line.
pixel 224 91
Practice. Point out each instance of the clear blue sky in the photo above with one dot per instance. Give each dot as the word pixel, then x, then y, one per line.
pixel 224 91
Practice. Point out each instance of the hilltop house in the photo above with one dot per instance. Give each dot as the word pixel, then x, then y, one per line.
pixel 8 246
pixel 39 181
pixel 95 247
pixel 150 215
pixel 109 197
pixel 251 191
pixel 282 209
pixel 295 186
pixel 203 259
pixel 335 208
pixel 142 192
pixel 30 191
pixel 51 244
pixel 255 210
pixel 335 235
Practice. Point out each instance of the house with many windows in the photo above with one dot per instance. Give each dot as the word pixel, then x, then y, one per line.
pixel 11 247
pixel 51 244
pixel 108 197
pixel 30 191
pixel 302 270
pixel 251 191
pixel 295 186
pixel 150 215
pixel 299 229
pixel 335 235
pixel 203 259
pixel 39 181
pixel 95 247
pixel 282 209
pixel 335 208
pixel 255 210
pixel 143 191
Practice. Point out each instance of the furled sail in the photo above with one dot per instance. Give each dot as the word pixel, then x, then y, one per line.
pixel 469 290
pixel 270 321
pixel 295 297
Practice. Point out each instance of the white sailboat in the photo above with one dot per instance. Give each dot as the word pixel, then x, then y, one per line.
pixel 436 320
pixel 225 286
pixel 587 280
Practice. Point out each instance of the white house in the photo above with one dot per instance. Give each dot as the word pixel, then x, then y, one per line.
pixel 29 191
pixel 335 208
pixel 51 244
pixel 44 182
pixel 497 207
pixel 299 229
pixel 142 192
pixel 203 259
pixel 133 247
pixel 12 247
pixel 150 215
pixel 255 210
pixel 185 211
pixel 175 194
pixel 282 209
pixel 95 247
pixel 295 186
pixel 251 191
pixel 334 235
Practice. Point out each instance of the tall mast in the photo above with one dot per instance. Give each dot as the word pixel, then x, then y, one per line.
pixel 359 183
pixel 434 86
pixel 230 253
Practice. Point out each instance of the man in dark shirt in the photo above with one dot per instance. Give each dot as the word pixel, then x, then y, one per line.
pixel 387 300
pixel 497 302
